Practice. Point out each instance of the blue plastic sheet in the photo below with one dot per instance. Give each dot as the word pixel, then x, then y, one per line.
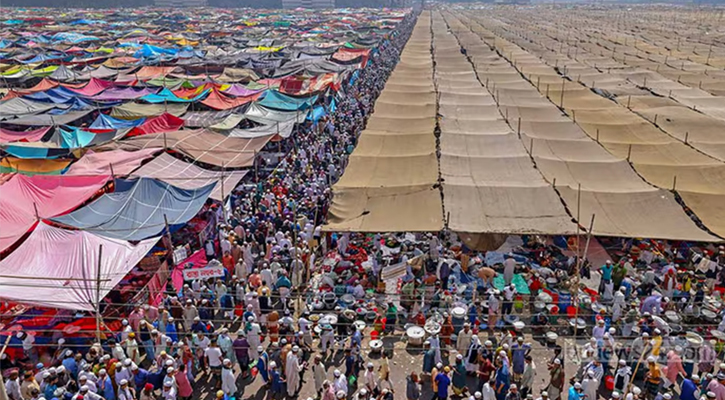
pixel 138 208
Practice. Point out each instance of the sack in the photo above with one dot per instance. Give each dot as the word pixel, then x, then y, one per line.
pixel 351 380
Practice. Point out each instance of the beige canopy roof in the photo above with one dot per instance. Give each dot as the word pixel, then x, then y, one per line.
pixel 509 160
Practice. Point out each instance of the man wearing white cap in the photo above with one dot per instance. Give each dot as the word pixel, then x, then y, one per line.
pixel 622 376
pixel 87 394
pixel 575 391
pixel 123 373
pixel 638 348
pixel 590 385
pixel 293 367
pixel 689 389
pixel 493 305
pixel 717 386
pixel 371 382
pixel 463 341
pixel 125 392
pixel 339 382
pixel 633 393
pixel 229 385
pixel 169 392
pixel 319 374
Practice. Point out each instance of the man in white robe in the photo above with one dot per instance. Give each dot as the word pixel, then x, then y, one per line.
pixel 292 371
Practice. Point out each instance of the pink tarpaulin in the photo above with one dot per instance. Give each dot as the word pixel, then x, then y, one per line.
pixel 67 263
pixel 50 195
pixel 198 260
pixel 7 136
pixel 240 90
pixel 93 87
pixel 123 162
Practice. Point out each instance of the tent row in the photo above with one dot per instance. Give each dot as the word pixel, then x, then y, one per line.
pixel 510 160
pixel 661 159
pixel 390 181
pixel 490 184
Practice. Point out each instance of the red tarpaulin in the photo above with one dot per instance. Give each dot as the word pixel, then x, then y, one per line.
pixel 163 123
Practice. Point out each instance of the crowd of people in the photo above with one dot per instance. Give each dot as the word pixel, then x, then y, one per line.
pixel 265 242
pixel 259 321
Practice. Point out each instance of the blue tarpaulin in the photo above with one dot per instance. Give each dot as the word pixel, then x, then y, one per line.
pixel 167 96
pixel 278 101
pixel 317 113
pixel 137 208
pixel 108 122
pixel 56 95
pixel 147 51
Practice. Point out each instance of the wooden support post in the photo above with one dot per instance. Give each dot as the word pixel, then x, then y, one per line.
pixel 98 294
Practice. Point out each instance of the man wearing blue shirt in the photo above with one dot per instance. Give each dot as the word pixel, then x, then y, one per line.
pixel 575 391
pixel 689 388
pixel 606 271
pixel 140 376
pixel 443 382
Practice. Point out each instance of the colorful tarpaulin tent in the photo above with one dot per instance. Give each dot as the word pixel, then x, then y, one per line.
pixel 118 162
pixel 23 199
pixel 59 268
pixel 162 123
pixel 218 101
pixel 7 136
pixel 108 122
pixel 138 209
pixel 189 176
pixel 278 101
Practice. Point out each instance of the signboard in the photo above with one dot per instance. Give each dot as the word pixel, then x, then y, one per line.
pixel 203 273
pixel 180 254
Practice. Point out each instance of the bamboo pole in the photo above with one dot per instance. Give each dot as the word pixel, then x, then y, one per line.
pixel 575 298
pixel 98 294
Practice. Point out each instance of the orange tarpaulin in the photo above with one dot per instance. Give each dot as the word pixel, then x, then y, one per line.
pixel 218 101
pixel 33 166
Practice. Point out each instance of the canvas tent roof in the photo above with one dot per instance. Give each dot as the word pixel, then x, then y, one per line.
pixel 202 145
